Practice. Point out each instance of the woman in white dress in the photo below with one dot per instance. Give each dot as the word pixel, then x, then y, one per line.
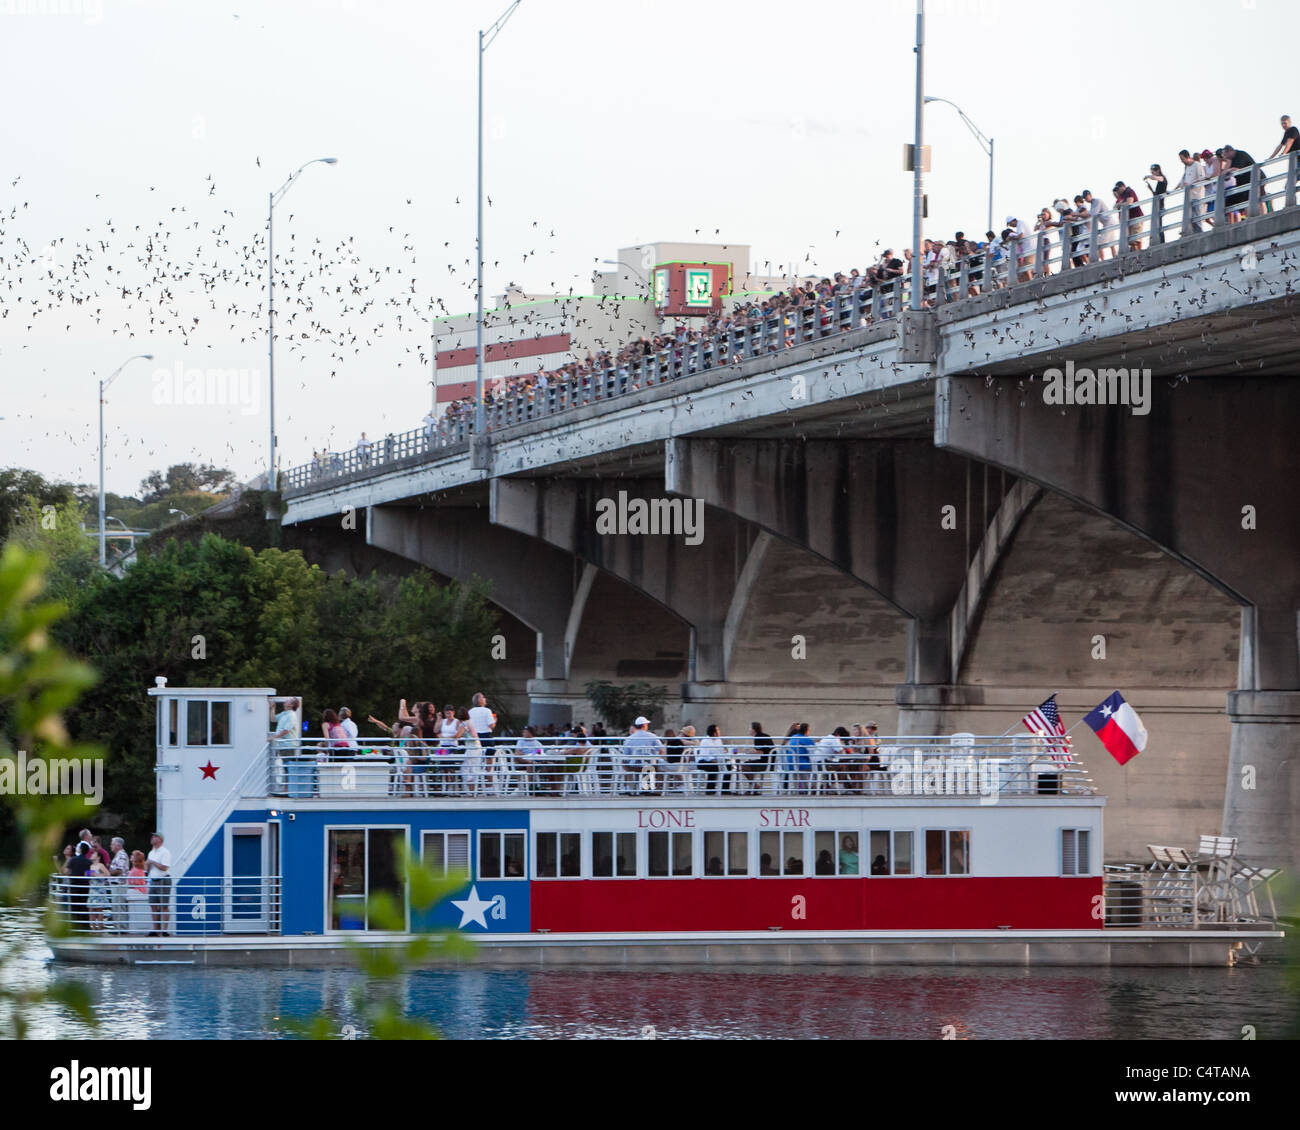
pixel 471 767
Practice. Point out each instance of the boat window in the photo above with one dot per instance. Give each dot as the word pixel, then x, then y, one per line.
pixel 836 853
pixel 364 862
pixel 780 853
pixel 446 853
pixel 220 722
pixel 1076 851
pixel 947 852
pixel 173 712
pixel 613 854
pixel 669 854
pixel 501 855
pixel 726 853
pixel 196 722
pixel 558 855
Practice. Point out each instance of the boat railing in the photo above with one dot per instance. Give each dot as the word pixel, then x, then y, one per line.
pixel 191 905
pixel 578 768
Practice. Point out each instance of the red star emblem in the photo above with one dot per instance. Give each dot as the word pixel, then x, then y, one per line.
pixel 209 770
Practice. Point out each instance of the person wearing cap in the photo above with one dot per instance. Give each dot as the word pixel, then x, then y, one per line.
pixel 158 864
pixel 642 751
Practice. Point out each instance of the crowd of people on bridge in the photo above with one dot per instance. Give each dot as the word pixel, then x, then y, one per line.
pixel 1083 228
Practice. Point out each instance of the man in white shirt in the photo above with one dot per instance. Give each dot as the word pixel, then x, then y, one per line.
pixel 642 751
pixel 349 726
pixel 1193 175
pixel 481 718
pixel 158 865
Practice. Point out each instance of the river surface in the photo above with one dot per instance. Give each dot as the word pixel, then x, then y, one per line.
pixel 775 1002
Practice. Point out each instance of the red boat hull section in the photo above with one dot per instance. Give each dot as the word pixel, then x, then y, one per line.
pixel 969 903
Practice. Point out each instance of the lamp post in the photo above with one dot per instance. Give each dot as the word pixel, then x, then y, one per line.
pixel 918 188
pixel 274 198
pixel 184 517
pixel 103 388
pixel 485 40
pixel 623 263
pixel 985 143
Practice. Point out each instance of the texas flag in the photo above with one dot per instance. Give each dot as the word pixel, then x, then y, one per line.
pixel 1118 727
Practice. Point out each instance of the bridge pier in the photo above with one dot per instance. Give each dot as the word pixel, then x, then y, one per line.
pixel 896 515
pixel 697 583
pixel 1206 474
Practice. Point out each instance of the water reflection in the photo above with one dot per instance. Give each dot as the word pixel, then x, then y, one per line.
pixel 185 1002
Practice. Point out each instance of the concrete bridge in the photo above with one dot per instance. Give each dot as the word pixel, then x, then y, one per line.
pixel 903 521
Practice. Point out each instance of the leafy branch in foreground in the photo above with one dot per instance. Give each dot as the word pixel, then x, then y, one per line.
pixel 38 682
pixel 375 999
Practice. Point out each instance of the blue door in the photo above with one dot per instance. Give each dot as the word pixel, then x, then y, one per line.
pixel 246 909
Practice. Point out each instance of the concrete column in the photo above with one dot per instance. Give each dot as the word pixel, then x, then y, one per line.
pixel 1261 805
pixel 534 582
pixel 896 515
pixel 693 572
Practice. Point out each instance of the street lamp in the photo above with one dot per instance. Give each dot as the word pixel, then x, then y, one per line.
pixel 624 263
pixel 273 200
pixel 103 388
pixel 485 40
pixel 986 143
pixel 173 510
pixel 918 188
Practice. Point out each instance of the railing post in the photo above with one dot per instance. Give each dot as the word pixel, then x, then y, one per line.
pixel 1123 229
pixel 963 276
pixel 1255 201
pixel 1219 193
pixel 1094 237
pixel 1185 229
pixel 1157 218
pixel 1291 178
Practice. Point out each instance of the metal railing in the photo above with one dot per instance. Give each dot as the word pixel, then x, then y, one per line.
pixel 593 768
pixel 190 905
pixel 1059 247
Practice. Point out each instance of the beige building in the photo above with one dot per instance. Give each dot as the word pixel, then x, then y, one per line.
pixel 526 332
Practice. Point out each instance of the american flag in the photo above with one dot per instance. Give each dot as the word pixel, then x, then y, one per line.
pixel 1045 720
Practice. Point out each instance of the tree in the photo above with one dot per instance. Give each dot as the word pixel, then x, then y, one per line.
pixel 19 487
pixel 214 613
pixel 55 530
pixel 619 706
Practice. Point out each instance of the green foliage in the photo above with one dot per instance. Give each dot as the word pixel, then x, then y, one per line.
pixel 38 682
pixel 18 488
pixel 55 530
pixel 185 479
pixel 619 706
pixel 265 619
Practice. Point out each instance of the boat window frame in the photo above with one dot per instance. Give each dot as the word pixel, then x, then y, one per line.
pixel 444 832
pixel 1060 843
pixel 947 872
pixel 327 901
pixel 781 872
pixel 592 833
pixel 537 855
pixel 726 833
pixel 838 833
pixel 670 833
pixel 477 871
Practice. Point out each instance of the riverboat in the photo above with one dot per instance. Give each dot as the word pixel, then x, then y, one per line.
pixel 913 849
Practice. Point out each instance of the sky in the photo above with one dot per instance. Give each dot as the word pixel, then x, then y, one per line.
pixel 142 138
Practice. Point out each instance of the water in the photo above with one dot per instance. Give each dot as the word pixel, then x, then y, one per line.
pixel 179 1002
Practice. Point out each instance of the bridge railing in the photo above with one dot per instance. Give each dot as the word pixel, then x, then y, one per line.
pixel 1059 247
